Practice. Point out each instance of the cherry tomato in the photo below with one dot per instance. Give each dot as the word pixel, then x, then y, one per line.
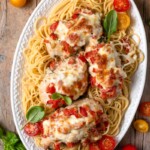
pixel 107 143
pixel 18 3
pixel 94 146
pixel 145 109
pixel 141 125
pixel 121 5
pixel 123 21
pixel 129 147
pixel 33 129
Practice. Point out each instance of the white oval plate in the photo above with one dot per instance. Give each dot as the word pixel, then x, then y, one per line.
pixel 137 83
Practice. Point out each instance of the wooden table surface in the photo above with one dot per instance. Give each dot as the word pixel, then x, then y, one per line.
pixel 14 20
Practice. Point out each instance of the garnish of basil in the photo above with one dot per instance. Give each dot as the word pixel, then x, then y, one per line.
pixel 110 23
pixel 35 114
pixel 67 99
pixel 56 96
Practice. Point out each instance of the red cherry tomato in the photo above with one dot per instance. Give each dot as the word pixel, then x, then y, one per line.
pixel 121 5
pixel 145 109
pixel 94 146
pixel 33 129
pixel 53 27
pixel 107 143
pixel 129 147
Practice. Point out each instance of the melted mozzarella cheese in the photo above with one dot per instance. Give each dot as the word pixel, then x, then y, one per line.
pixel 66 76
pixel 52 126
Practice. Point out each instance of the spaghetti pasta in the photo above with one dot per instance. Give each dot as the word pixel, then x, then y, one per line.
pixel 37 60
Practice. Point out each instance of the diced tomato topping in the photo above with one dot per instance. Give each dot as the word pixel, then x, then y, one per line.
pixel 52 65
pixel 71 60
pixel 75 16
pixel 72 111
pixel 94 146
pixel 93 60
pixel 83 112
pixel 51 89
pixel 93 113
pixel 90 54
pixel 46 41
pixel 56 103
pixel 70 145
pixel 121 5
pixel 100 45
pixel 53 27
pixel 82 58
pixel 73 37
pixel 107 143
pixel 109 93
pixel 67 47
pixel 33 129
pixel 54 36
pixel 93 81
pixel 57 146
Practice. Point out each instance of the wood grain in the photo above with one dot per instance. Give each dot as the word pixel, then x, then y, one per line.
pixel 14 21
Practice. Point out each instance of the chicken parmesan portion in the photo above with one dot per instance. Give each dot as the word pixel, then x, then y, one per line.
pixel 84 120
pixel 67 37
pixel 70 78
pixel 105 70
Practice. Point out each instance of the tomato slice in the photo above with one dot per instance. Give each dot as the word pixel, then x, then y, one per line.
pixel 33 129
pixel 107 143
pixel 145 109
pixel 53 27
pixel 94 146
pixel 121 5
pixel 129 147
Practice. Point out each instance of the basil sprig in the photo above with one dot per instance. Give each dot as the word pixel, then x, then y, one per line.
pixel 10 140
pixel 110 23
pixel 67 99
pixel 35 114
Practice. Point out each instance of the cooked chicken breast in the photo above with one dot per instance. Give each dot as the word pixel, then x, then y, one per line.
pixel 78 122
pixel 70 78
pixel 69 36
pixel 105 69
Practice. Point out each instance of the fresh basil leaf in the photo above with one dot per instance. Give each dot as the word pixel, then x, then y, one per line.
pixel 35 114
pixel 56 96
pixel 68 100
pixel 11 138
pixel 20 146
pixel 7 146
pixel 110 23
pixel 1 133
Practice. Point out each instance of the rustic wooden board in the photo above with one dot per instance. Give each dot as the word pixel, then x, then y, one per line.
pixel 14 21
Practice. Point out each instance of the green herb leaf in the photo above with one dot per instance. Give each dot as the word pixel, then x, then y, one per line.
pixel 56 96
pixel 110 23
pixel 35 114
pixel 11 138
pixel 1 133
pixel 7 146
pixel 68 100
pixel 20 146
